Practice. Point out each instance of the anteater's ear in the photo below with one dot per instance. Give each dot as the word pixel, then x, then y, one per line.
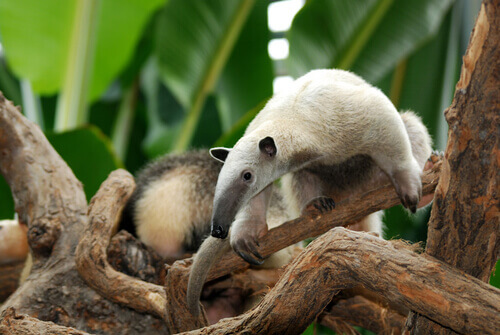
pixel 220 153
pixel 268 147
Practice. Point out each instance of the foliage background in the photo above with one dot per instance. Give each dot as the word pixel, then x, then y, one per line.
pixel 116 83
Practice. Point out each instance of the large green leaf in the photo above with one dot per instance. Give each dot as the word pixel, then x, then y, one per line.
pixel 35 43
pixel 194 40
pixel 368 37
pixel 248 76
pixel 36 38
pixel 120 26
pixel 88 153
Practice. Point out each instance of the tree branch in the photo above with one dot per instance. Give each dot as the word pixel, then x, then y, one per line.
pixel 20 324
pixel 33 170
pixel 312 223
pixel 464 225
pixel 91 257
pixel 342 259
pixel 50 200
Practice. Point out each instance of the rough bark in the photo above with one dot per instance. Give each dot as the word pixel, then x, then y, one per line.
pixel 128 255
pixel 91 256
pixel 50 201
pixel 359 311
pixel 21 324
pixel 315 221
pixel 464 228
pixel 341 259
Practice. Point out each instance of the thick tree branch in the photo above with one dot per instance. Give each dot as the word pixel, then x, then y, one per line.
pixel 342 259
pixel 21 324
pixel 312 223
pixel 464 228
pixel 91 256
pixel 359 311
pixel 47 195
pixel 50 200
pixel 350 308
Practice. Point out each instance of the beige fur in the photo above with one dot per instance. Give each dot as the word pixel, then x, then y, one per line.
pixel 167 208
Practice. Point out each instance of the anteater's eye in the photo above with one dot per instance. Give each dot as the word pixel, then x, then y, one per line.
pixel 247 176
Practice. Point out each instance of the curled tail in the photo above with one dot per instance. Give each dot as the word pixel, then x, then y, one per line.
pixel 210 251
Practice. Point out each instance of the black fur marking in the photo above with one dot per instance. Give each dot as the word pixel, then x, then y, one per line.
pixel 268 147
pixel 219 153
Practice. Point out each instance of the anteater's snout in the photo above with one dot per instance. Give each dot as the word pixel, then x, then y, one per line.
pixel 218 231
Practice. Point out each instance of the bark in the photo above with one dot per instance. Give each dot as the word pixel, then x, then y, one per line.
pixel 464 228
pixel 91 256
pixel 315 221
pixel 50 201
pixel 342 259
pixel 132 257
pixel 21 324
pixel 359 311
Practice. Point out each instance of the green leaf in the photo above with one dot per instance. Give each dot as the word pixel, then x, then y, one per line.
pixel 230 137
pixel 6 200
pixel 194 41
pixel 35 44
pixel 9 85
pixel 36 36
pixel 119 29
pixel 88 153
pixel 427 85
pixel 248 76
pixel 368 37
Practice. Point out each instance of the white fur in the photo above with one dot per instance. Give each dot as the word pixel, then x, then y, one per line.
pixel 326 117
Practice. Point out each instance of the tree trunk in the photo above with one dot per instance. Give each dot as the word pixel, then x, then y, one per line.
pixel 464 228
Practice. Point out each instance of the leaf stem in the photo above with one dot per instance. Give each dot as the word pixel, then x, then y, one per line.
pixel 72 103
pixel 397 82
pixel 123 123
pixel 31 104
pixel 362 35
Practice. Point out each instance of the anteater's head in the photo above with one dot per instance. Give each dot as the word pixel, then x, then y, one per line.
pixel 248 168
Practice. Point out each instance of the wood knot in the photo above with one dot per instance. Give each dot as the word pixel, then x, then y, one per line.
pixel 43 234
